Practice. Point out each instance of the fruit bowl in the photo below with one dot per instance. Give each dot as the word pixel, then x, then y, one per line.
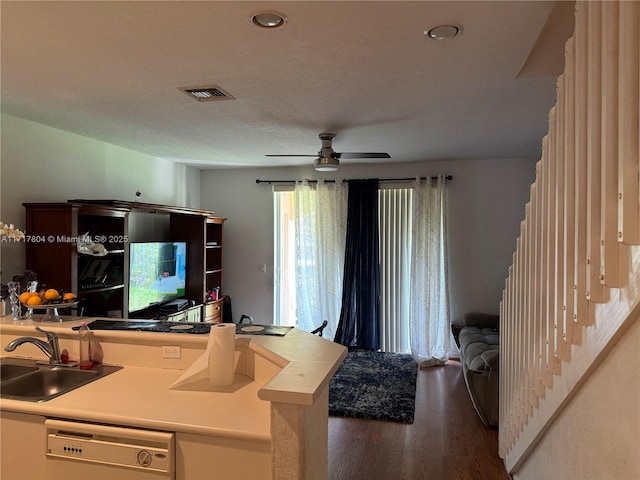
pixel 50 300
pixel 52 314
pixel 48 306
pixel 46 297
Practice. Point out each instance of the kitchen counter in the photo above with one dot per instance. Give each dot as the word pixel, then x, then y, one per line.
pixel 140 397
pixel 273 374
pixel 305 362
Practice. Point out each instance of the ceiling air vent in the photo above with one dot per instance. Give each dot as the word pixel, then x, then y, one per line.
pixel 207 94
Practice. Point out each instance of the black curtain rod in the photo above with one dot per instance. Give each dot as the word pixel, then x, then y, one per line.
pixel 406 179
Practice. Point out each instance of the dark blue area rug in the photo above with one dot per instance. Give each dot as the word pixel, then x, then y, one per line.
pixel 374 385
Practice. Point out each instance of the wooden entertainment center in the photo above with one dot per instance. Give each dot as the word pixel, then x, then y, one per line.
pixel 102 282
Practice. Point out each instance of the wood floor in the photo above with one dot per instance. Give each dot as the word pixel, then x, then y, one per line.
pixel 446 441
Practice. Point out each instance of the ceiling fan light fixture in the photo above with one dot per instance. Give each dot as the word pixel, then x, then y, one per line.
pixel 327 159
pixel 326 164
pixel 269 19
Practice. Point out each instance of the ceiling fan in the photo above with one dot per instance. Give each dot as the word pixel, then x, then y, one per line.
pixel 327 160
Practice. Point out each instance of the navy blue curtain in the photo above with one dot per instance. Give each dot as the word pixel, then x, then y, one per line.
pixel 359 324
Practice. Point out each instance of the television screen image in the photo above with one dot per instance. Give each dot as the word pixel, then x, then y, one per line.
pixel 157 273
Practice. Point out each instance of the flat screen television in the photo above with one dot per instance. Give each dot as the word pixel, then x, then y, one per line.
pixel 157 273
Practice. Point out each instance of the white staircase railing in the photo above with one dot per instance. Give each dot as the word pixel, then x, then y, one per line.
pixel 575 278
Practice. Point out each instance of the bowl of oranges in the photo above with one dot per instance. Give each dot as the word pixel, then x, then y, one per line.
pixel 51 300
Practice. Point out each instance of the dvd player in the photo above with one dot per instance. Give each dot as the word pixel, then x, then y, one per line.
pixel 174 305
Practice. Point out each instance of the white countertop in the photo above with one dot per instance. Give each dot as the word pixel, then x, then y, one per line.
pixel 300 367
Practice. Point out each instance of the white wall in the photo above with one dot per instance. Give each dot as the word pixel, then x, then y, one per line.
pixel 486 205
pixel 43 164
pixel 596 437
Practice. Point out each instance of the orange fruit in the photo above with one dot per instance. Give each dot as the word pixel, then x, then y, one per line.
pixel 34 300
pixel 25 296
pixel 69 297
pixel 51 294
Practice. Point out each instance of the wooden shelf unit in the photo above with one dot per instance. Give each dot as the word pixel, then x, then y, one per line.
pixel 102 283
pixel 213 253
pixel 214 267
pixel 54 230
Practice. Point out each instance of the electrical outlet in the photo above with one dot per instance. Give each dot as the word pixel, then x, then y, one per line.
pixel 171 351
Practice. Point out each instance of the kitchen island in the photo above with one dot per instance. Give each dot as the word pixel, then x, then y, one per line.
pixel 270 423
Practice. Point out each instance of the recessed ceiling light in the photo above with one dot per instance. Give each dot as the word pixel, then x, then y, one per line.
pixel 269 19
pixel 443 32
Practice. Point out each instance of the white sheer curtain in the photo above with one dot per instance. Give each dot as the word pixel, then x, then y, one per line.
pixel 429 295
pixel 320 230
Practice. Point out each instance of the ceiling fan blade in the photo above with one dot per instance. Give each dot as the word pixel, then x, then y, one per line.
pixel 292 155
pixel 361 155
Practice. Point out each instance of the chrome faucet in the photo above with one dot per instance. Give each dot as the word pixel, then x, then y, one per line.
pixel 51 348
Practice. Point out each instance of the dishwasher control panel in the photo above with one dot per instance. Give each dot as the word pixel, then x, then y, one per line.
pixel 111 446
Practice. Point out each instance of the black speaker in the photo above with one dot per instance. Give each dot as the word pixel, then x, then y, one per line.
pixel 227 316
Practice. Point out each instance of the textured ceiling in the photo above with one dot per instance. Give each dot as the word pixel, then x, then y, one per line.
pixel 363 70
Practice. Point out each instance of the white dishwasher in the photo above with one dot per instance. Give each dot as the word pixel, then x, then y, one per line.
pixel 78 450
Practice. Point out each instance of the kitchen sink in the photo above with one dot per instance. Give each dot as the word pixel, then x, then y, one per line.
pixel 9 371
pixel 24 379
